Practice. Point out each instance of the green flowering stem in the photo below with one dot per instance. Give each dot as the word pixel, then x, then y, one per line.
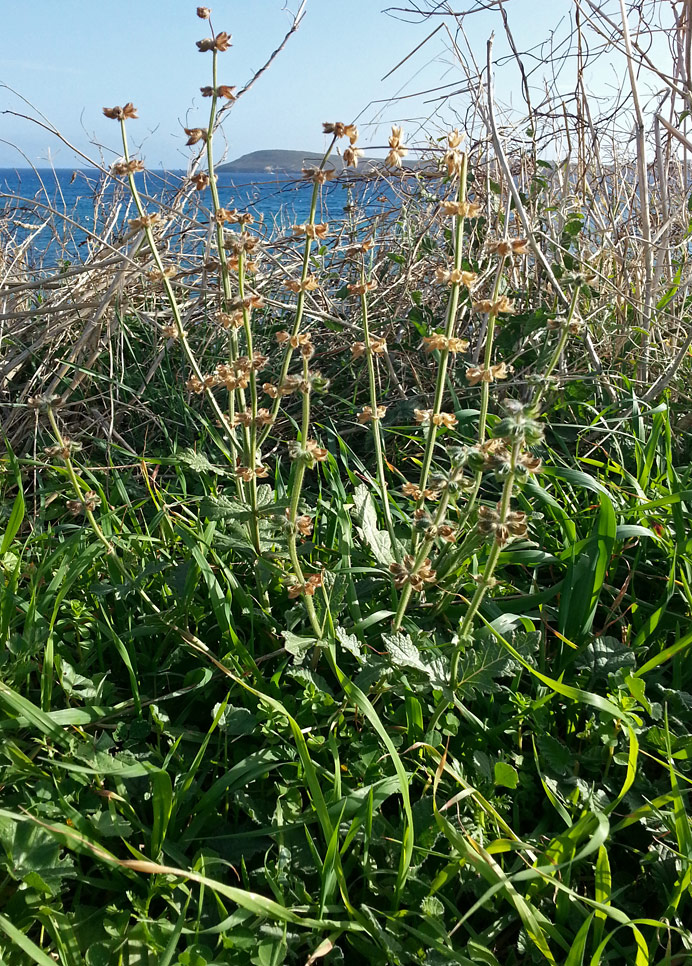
pixel 223 258
pixel 247 328
pixel 376 423
pixel 488 355
pixel 404 599
pixel 536 401
pixel 557 352
pixel 172 300
pixel 107 545
pixel 248 491
pixel 251 431
pixel 296 490
pixel 485 392
pixel 421 555
pixel 484 584
pixel 450 323
pixel 300 304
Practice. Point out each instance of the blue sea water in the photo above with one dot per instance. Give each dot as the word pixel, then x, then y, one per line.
pixel 84 201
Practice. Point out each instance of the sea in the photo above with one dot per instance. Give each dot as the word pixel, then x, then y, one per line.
pixel 52 213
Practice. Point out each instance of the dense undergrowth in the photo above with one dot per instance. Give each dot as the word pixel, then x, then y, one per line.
pixel 363 636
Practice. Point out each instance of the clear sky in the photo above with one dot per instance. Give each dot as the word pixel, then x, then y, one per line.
pixel 70 58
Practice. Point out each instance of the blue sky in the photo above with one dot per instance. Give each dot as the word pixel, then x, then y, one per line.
pixel 71 58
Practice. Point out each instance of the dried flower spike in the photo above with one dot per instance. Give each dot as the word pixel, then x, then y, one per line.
pixel 145 221
pixel 316 452
pixel 453 161
pixel 490 525
pixel 230 320
pixel 308 588
pixel 44 403
pixel 461 209
pixel 222 41
pixel 361 288
pixel 440 342
pixel 341 130
pixel 308 284
pixel 129 112
pixel 295 341
pixel 68 448
pixel 204 13
pixel 358 349
pixel 351 155
pixel 509 246
pixel 200 181
pixel 195 134
pixel 426 416
pixel 122 168
pixel 501 305
pixel 156 275
pixel 397 151
pixel 318 175
pixel 475 374
pixel 311 231
pixel 456 276
pixel 195 385
pixel 405 573
pixel 366 415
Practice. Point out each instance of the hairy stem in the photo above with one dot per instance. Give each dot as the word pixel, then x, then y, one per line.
pixel 376 424
pixel 450 323
pixel 484 584
pixel 173 302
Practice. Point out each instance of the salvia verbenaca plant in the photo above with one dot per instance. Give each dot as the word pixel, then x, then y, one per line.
pixel 435 523
pixel 359 409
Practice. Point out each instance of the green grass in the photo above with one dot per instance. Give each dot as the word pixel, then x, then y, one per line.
pixel 205 782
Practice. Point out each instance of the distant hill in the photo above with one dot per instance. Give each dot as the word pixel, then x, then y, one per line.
pixel 291 162
pixel 282 161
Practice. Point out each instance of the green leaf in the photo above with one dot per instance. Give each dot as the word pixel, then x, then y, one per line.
pixel 224 508
pixel 576 953
pixel 482 663
pixel 99 955
pixel 366 516
pixel 236 721
pixel 602 890
pixel 25 944
pixel 350 643
pixel 404 654
pixel 297 646
pixel 683 644
pixel 111 825
pixel 197 955
pixel 13 524
pixel 431 907
pixel 576 478
pixel 585 575
pixel 35 856
pixel 198 462
pixel 162 804
pixel 605 655
pixel 506 775
pixel 28 714
pixel 627 531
